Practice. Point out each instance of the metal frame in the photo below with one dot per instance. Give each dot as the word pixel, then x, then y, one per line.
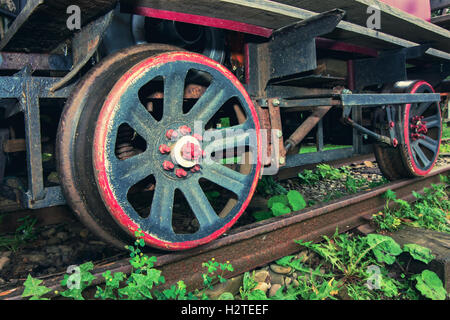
pixel 269 71
pixel 28 90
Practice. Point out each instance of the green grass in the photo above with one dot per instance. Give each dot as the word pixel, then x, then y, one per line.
pixel 446 132
pixel 311 149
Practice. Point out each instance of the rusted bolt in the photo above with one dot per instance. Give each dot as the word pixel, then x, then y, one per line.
pixel 171 134
pixel 164 149
pixel 276 102
pixel 395 143
pixel 391 124
pixel 180 173
pixel 196 168
pixel 168 166
pixel 185 130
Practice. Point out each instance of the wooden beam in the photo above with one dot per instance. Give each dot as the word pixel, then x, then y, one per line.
pixel 275 15
pixel 393 21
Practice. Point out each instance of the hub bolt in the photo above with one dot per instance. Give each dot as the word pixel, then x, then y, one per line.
pixel 180 173
pixel 185 130
pixel 164 149
pixel 168 166
pixel 171 134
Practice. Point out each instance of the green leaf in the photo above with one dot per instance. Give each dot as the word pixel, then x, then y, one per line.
pixel 429 285
pixel 390 195
pixel 226 296
pixel 296 200
pixel 33 289
pixel 419 253
pixel 278 199
pixel 262 215
pixel 257 295
pixel 279 209
pixel 384 248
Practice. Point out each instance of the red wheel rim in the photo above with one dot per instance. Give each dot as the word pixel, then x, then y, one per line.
pixel 411 143
pixel 102 133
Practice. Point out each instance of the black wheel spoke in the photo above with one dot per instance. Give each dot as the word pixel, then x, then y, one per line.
pixel 225 177
pixel 418 152
pixel 421 108
pixel 174 83
pixel 162 206
pixel 229 139
pixel 210 102
pixel 130 171
pixel 429 143
pixel 200 205
pixel 433 121
pixel 141 121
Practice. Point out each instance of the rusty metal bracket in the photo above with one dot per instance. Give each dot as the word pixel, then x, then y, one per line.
pixel 84 44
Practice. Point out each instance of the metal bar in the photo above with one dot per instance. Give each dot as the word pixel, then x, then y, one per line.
pixel 306 127
pixel 30 106
pixel 11 87
pixel 18 61
pixel 319 136
pixel 364 130
pixel 317 157
pixel 439 4
pixel 53 196
pixel 379 99
pixel 357 138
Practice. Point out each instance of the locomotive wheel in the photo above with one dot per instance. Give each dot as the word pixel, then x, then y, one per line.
pixel 169 150
pixel 421 136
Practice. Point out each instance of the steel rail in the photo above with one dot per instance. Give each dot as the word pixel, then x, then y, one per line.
pixel 258 244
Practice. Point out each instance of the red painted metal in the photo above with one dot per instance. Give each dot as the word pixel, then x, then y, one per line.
pixel 323 43
pixel 181 173
pixel 406 120
pixel 164 149
pixel 418 8
pixel 171 134
pixel 168 166
pixel 203 21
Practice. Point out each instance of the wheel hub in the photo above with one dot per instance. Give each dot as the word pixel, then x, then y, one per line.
pixel 418 128
pixel 183 150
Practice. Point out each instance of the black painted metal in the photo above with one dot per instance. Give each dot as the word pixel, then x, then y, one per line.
pixel 28 90
pixel 296 42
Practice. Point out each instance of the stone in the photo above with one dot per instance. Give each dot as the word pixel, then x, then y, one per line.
pixel 63 236
pixel 263 286
pixel 262 276
pixel 6 254
pixel 274 289
pixel 48 233
pixel 232 286
pixel 287 281
pixel 34 257
pixel 369 164
pixel 280 269
pixel 3 262
pixel 276 278
pixel 84 233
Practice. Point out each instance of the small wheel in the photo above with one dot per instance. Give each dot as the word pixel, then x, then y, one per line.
pixel 148 147
pixel 421 136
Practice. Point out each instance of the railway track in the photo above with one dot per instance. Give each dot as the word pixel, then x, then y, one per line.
pixel 260 243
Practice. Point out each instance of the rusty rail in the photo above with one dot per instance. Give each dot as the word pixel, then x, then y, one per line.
pixel 258 244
